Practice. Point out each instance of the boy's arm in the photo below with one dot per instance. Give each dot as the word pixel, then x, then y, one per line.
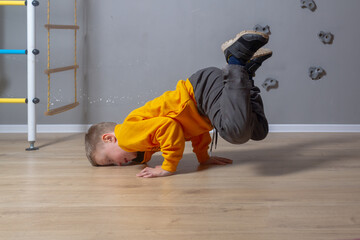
pixel 169 135
pixel 200 146
pixel 164 132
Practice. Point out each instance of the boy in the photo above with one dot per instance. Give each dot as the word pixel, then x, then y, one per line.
pixel 226 100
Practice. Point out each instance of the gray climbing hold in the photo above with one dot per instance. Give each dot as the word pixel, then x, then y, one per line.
pixel 316 73
pixel 260 28
pixel 326 37
pixel 310 4
pixel 270 83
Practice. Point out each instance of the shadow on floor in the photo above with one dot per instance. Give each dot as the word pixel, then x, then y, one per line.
pixel 61 139
pixel 289 158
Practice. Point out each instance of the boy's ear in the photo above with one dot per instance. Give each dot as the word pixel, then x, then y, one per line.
pixel 108 138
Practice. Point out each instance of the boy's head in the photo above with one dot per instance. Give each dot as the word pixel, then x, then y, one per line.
pixel 101 146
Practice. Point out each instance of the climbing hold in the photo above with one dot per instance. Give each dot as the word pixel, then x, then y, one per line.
pixel 326 37
pixel 316 73
pixel 310 4
pixel 270 83
pixel 260 28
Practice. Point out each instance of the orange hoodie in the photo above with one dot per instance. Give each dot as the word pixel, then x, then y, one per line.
pixel 164 124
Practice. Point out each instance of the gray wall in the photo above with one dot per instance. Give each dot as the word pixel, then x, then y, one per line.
pixel 131 51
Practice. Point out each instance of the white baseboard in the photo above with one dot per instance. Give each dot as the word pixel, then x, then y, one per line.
pixel 314 128
pixel 79 128
pixel 46 128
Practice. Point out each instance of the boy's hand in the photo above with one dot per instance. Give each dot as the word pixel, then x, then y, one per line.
pixel 217 161
pixel 149 172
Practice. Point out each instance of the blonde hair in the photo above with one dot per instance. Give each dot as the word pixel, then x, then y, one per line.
pixel 93 138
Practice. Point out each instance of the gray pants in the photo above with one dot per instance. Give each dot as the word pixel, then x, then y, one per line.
pixel 231 102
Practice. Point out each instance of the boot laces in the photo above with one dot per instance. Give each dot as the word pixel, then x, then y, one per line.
pixel 214 139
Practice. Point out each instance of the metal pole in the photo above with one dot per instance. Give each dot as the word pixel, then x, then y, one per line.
pixel 31 74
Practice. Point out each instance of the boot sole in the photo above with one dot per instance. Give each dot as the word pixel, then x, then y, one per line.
pixel 228 43
pixel 261 52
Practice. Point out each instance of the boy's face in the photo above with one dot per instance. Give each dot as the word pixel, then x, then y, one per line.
pixel 111 154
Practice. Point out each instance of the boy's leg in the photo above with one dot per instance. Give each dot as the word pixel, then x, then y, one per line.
pixel 226 97
pixel 261 126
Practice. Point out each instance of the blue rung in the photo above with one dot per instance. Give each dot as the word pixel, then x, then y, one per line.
pixel 12 51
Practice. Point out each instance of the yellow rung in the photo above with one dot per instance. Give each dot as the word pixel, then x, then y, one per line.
pixel 13 3
pixel 12 100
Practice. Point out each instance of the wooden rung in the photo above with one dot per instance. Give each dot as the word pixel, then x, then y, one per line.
pixel 56 26
pixel 61 109
pixel 54 70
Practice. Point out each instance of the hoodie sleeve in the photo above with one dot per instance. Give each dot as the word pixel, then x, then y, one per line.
pixel 201 145
pixel 160 133
pixel 170 137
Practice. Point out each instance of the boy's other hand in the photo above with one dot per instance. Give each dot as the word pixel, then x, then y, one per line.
pixel 218 161
pixel 149 172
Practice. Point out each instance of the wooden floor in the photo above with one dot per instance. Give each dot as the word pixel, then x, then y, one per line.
pixel 290 186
